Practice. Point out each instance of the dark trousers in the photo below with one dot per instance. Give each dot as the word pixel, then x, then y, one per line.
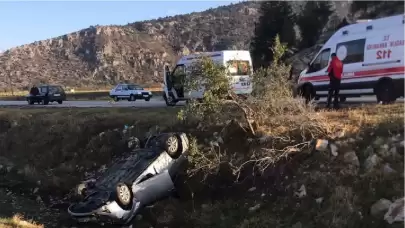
pixel 334 87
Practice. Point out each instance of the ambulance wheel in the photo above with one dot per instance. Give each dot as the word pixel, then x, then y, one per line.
pixel 307 93
pixel 385 92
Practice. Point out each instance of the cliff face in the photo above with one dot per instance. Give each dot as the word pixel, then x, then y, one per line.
pixel 135 52
pixel 91 56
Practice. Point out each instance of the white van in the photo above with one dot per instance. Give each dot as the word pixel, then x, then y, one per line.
pixel 372 53
pixel 240 70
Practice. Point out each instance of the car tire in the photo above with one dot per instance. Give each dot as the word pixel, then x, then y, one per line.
pixel 30 102
pixel 116 98
pixel 171 145
pixel 124 195
pixel 147 99
pixel 45 102
pixel 81 190
pixel 60 101
pixel 131 98
pixel 385 92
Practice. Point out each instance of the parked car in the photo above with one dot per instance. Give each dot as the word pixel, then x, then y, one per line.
pixel 44 94
pixel 145 176
pixel 130 92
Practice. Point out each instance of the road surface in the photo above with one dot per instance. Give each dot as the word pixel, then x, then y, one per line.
pixel 156 102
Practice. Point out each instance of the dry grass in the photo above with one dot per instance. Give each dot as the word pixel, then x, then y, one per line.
pixel 287 134
pixel 17 221
pixel 346 192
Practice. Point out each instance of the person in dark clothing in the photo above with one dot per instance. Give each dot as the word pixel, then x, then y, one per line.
pixel 34 91
pixel 335 70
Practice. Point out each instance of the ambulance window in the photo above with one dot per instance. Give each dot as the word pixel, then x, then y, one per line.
pixel 321 61
pixel 351 51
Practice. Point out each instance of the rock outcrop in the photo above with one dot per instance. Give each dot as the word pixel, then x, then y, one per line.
pixel 102 55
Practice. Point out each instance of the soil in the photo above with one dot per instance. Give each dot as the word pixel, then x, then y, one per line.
pixel 219 199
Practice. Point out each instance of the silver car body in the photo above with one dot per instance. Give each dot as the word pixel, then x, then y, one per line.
pixel 145 192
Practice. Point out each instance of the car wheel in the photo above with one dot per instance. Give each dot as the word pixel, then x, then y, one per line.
pixel 116 98
pixel 81 190
pixel 171 145
pixel 124 195
pixel 385 92
pixel 131 98
pixel 147 99
pixel 45 102
pixel 60 101
pixel 30 102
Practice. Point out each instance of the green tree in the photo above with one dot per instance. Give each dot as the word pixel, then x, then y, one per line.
pixel 276 18
pixel 312 20
pixel 374 9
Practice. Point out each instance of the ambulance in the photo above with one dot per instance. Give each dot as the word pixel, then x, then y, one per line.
pixel 372 53
pixel 238 64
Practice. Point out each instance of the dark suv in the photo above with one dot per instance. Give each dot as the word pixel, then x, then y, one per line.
pixel 44 94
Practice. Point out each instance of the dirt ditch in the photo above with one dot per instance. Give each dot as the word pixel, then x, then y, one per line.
pixel 61 148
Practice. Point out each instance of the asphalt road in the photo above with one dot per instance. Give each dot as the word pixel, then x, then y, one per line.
pixel 155 103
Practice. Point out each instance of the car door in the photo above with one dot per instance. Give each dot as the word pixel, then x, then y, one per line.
pixel 154 188
pixel 125 92
pixel 178 79
pixel 317 71
pixel 118 91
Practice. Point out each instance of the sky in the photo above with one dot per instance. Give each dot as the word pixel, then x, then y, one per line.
pixel 23 22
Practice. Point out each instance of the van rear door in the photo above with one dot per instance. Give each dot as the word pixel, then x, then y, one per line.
pixel 240 71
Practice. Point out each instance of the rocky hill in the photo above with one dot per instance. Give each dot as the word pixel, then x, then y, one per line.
pixel 136 52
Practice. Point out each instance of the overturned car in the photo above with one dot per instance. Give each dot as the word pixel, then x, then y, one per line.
pixel 146 176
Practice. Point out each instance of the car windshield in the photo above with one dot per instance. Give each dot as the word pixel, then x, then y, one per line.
pixel 134 87
pixel 52 89
pixel 238 67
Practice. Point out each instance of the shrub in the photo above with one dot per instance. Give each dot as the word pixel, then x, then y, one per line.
pixel 270 110
pixel 205 74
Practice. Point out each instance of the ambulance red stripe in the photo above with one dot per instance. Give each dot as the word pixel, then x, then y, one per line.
pixel 359 74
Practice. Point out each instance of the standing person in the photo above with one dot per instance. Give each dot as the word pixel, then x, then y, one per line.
pixel 335 70
pixel 34 91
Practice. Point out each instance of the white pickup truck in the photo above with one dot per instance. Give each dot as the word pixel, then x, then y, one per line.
pixel 130 92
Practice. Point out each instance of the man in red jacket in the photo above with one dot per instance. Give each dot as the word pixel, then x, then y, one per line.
pixel 335 70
